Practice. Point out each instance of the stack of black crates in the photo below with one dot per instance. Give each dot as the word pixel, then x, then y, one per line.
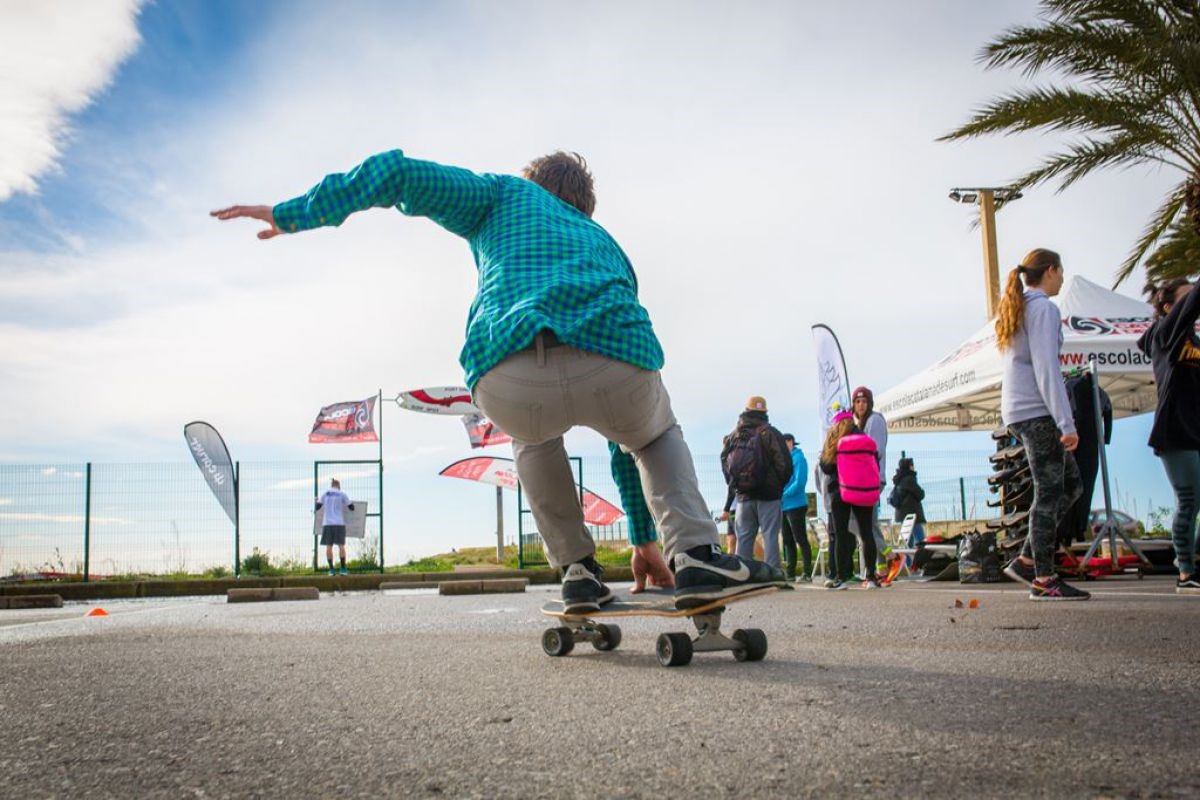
pixel 1012 482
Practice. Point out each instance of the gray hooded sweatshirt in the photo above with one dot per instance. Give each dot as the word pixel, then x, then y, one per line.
pixel 1033 384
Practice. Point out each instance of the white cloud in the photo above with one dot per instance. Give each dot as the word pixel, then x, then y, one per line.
pixel 55 57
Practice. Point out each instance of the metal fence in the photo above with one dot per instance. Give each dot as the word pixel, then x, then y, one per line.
pixel 111 520
pixel 955 485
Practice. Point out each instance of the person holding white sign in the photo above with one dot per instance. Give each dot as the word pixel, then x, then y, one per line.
pixel 335 502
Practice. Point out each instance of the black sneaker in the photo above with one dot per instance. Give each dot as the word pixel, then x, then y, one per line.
pixel 702 580
pixel 582 589
pixel 1057 591
pixel 1190 586
pixel 1020 572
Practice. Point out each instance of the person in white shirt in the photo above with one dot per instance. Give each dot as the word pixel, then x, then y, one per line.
pixel 335 502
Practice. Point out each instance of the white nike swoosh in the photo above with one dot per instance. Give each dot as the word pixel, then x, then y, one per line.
pixel 742 573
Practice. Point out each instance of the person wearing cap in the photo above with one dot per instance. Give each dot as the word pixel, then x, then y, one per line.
pixel 841 540
pixel 872 423
pixel 757 465
pixel 795 513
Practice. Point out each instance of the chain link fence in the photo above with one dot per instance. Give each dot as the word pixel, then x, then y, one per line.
pixel 114 520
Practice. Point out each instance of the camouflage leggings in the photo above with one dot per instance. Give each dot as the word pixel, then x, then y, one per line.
pixel 1056 486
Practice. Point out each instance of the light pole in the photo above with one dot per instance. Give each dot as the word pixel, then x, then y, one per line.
pixel 987 197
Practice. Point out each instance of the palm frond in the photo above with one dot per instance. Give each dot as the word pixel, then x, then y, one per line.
pixel 1159 223
pixel 1177 256
pixel 1069 110
pixel 1083 158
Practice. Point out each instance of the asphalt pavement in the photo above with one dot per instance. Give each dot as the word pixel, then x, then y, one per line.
pixel 409 694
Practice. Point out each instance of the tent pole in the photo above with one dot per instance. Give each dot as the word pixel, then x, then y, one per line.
pixel 1110 530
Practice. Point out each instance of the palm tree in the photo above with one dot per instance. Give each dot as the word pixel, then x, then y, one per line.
pixel 1128 89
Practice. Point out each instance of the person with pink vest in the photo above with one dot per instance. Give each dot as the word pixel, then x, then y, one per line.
pixel 850 460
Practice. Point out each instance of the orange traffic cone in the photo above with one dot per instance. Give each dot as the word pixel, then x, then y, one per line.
pixel 96 612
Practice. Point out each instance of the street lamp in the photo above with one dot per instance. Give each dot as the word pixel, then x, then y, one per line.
pixel 987 198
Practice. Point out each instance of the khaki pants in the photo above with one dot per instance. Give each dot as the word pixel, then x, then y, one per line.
pixel 537 395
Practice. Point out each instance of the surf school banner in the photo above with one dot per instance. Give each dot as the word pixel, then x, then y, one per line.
pixel 452 400
pixel 345 422
pixel 833 387
pixel 212 457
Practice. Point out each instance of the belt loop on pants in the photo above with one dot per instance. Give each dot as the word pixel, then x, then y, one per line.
pixel 540 344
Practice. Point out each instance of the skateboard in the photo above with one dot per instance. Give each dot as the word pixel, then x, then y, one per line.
pixel 672 649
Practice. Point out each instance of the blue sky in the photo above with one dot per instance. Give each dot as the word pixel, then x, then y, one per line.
pixel 766 168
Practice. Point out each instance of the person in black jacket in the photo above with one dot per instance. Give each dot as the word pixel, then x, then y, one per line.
pixel 1087 453
pixel 757 466
pixel 1174 350
pixel 906 498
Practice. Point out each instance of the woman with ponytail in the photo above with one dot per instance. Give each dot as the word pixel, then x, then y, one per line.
pixel 1034 405
pixel 1174 350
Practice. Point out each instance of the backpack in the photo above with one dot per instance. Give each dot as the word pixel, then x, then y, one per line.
pixel 978 558
pixel 858 470
pixel 744 460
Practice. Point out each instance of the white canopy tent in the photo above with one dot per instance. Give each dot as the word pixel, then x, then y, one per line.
pixel 962 391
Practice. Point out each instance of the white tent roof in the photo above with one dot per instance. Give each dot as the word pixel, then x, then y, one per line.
pixel 962 391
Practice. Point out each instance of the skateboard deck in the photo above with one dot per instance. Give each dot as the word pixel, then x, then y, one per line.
pixel 672 649
pixel 663 605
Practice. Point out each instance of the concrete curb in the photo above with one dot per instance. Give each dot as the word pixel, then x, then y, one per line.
pixel 32 601
pixel 268 595
pixel 106 590
pixel 493 586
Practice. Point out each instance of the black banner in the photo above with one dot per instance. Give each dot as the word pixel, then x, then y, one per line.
pixel 212 457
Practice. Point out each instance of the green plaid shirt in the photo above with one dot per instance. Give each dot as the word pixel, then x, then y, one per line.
pixel 542 263
pixel 638 521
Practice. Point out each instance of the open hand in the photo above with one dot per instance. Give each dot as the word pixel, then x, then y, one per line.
pixel 253 212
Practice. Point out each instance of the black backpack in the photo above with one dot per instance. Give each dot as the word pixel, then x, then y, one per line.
pixel 744 460
pixel 978 558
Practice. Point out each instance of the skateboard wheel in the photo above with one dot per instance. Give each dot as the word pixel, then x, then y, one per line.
pixel 558 641
pixel 610 637
pixel 674 649
pixel 754 644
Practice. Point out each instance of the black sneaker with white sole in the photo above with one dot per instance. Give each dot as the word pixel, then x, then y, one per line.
pixel 1056 590
pixel 582 589
pixel 1189 586
pixel 703 575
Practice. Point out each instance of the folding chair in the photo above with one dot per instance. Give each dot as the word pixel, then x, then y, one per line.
pixel 822 534
pixel 902 547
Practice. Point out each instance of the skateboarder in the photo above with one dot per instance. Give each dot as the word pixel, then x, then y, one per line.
pixel 555 338
pixel 335 502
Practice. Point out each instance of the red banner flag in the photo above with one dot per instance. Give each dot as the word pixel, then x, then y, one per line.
pixel 345 422
pixel 483 432
pixel 598 511
pixel 500 472
pixel 496 471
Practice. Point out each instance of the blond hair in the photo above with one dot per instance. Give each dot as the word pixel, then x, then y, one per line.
pixel 832 437
pixel 1012 304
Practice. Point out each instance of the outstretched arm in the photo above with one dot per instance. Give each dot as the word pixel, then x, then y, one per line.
pixel 457 199
pixel 251 212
